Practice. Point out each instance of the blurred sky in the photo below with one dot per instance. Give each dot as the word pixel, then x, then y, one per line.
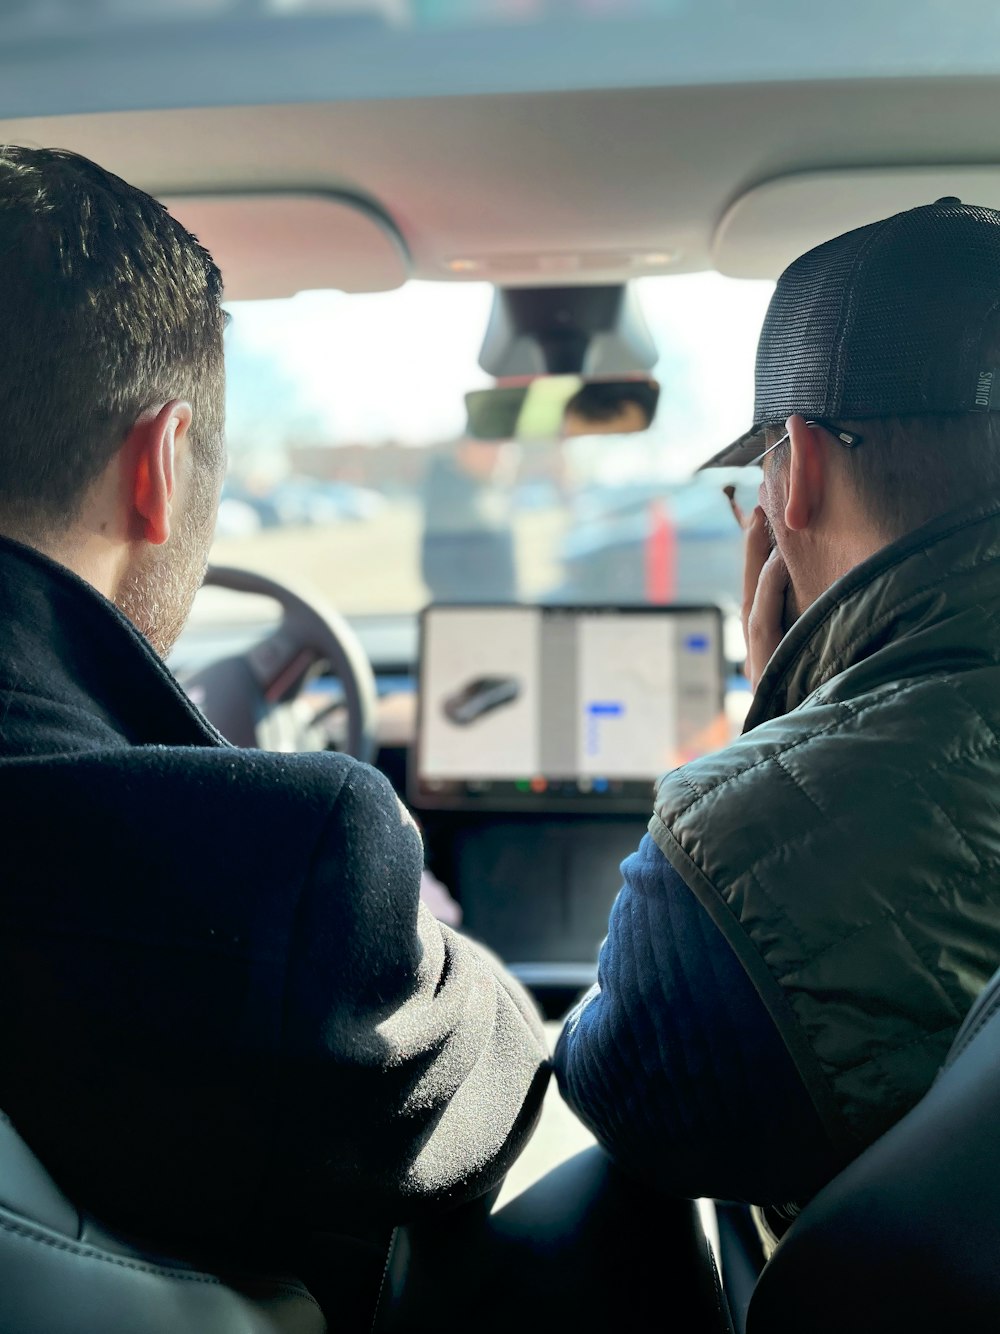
pixel 394 366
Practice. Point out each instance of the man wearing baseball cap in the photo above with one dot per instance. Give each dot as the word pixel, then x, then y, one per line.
pixel 816 907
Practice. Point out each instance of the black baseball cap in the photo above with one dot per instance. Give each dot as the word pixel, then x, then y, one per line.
pixel 899 318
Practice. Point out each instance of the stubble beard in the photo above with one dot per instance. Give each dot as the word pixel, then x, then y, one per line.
pixel 159 589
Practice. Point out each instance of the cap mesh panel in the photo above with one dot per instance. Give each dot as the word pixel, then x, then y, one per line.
pixel 886 320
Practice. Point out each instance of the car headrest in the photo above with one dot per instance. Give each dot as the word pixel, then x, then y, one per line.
pixel 60 1273
pixel 907 1237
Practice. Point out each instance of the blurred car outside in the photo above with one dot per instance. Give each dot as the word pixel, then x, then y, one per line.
pixel 295 501
pixel 673 542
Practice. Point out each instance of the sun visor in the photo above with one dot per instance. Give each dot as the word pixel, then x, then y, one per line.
pixel 765 229
pixel 274 245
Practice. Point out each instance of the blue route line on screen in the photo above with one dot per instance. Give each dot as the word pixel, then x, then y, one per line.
pixel 600 709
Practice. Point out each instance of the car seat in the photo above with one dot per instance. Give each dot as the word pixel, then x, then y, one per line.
pixel 61 1273
pixel 908 1237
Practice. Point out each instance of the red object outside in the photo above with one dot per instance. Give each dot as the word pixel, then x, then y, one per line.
pixel 661 555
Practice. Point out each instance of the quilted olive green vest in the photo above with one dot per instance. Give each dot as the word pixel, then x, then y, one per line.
pixel 848 843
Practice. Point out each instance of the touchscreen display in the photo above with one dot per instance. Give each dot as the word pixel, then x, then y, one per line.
pixel 575 707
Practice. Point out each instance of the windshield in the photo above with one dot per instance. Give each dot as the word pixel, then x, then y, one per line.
pixel 350 474
pixel 287 50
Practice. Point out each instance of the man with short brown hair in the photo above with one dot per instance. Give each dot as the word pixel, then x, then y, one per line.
pixel 225 1016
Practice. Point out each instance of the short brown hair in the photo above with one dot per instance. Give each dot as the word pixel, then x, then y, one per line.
pixel 907 470
pixel 109 307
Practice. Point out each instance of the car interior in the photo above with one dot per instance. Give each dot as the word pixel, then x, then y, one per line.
pixel 417 204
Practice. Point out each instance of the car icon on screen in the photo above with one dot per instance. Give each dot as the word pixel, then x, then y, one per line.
pixel 480 696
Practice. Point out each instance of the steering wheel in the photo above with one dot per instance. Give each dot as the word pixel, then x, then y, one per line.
pixel 239 692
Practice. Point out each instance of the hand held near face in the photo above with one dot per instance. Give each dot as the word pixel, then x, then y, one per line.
pixel 765 610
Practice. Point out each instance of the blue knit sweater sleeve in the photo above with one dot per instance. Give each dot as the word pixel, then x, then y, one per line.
pixel 674 1062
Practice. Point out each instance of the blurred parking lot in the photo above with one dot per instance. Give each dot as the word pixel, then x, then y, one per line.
pixel 368 561
pixel 373 566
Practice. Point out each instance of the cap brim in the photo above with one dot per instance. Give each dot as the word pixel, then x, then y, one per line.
pixel 738 454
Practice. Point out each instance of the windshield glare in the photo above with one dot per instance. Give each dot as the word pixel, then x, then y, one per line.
pixel 350 474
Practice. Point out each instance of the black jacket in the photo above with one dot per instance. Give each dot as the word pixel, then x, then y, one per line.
pixel 221 1001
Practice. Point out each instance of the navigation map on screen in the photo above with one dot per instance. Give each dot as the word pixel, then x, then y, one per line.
pixel 523 706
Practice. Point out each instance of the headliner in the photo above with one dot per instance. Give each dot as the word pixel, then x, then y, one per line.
pixel 574 186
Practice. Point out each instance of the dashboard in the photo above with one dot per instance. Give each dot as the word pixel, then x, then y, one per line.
pixel 535 882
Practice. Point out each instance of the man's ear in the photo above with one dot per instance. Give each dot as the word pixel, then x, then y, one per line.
pixel 806 473
pixel 152 450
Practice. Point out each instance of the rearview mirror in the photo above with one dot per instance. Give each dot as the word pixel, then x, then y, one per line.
pixel 553 407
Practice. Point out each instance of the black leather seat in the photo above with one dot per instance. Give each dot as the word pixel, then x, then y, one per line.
pixel 908 1237
pixel 60 1273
